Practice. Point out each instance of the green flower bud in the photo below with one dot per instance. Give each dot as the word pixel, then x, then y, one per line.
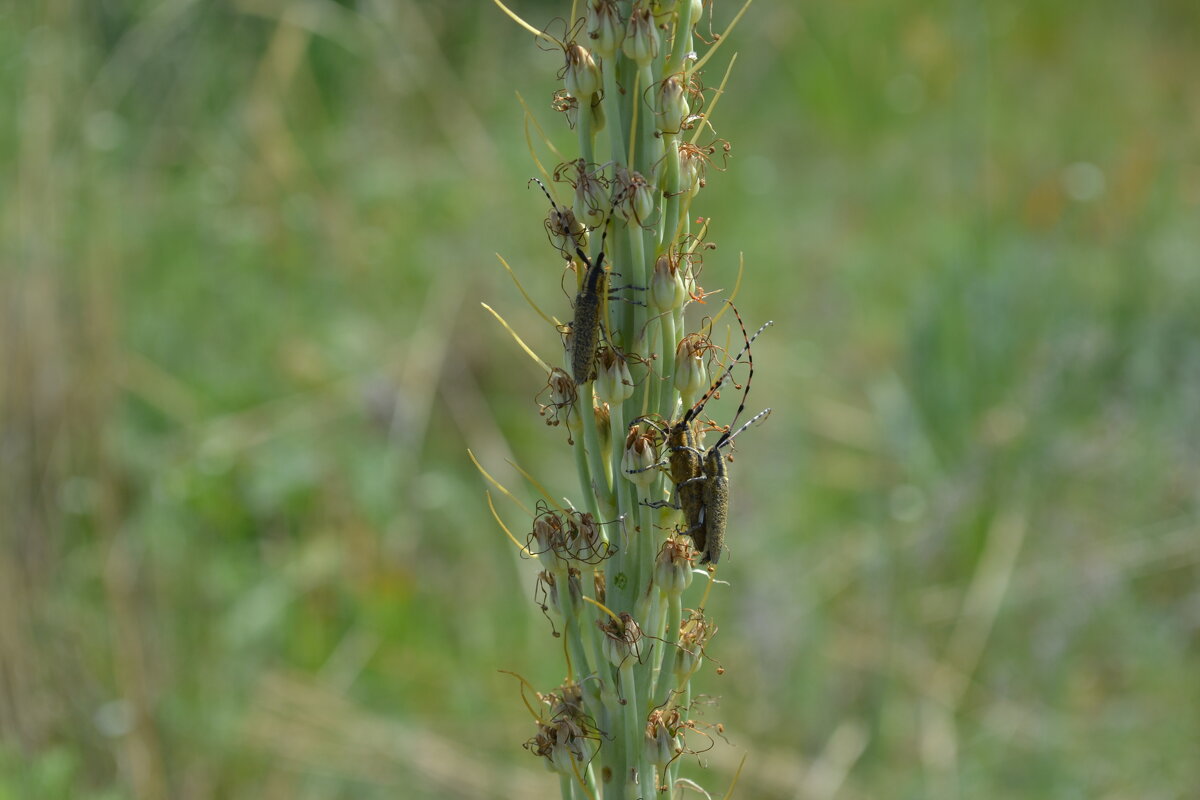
pixel 582 75
pixel 691 374
pixel 686 662
pixel 694 633
pixel 643 199
pixel 660 744
pixel 564 740
pixel 673 566
pixel 691 171
pixel 671 105
pixel 614 384
pixel 637 463
pixel 604 26
pixel 622 639
pixel 591 199
pixel 689 283
pixel 641 37
pixel 666 284
pixel 561 388
pixel 548 539
pixel 565 230
pixel 585 541
pixel 636 197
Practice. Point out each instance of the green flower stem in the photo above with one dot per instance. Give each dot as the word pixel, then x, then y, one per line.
pixel 625 560
pixel 581 465
pixel 663 683
pixel 587 136
pixel 672 774
pixel 682 43
pixel 618 120
pixel 670 338
pixel 590 778
pixel 601 479
pixel 671 408
pixel 636 278
pixel 571 618
pixel 649 145
pixel 652 605
pixel 616 418
pixel 634 723
pixel 642 605
pixel 607 688
pixel 644 543
pixel 651 608
pixel 633 560
pixel 669 222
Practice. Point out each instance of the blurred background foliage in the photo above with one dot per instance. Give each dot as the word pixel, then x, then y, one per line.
pixel 244 553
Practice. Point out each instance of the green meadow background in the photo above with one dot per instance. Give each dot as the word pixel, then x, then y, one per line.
pixel 244 553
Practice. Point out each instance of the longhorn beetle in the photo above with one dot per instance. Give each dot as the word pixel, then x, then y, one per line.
pixel 715 495
pixel 701 477
pixel 585 328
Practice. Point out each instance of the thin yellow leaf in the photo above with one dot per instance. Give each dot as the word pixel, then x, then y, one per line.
pixel 496 483
pixel 737 285
pixel 736 775
pixel 536 485
pixel 524 685
pixel 517 338
pixel 525 294
pixel 724 36
pixel 602 607
pixel 530 119
pixel 504 527
pixel 708 115
pixel 540 33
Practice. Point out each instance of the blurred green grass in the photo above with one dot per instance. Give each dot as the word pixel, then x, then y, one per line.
pixel 245 554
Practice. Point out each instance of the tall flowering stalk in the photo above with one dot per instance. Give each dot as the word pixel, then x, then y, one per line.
pixel 631 394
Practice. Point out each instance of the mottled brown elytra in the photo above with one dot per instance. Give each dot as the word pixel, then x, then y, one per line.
pixel 701 477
